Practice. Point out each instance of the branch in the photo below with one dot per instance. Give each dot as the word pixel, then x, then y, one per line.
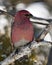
pixel 7 13
pixel 24 51
pixel 38 18
pixel 43 33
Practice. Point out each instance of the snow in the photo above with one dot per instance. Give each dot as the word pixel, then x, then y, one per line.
pixel 3 23
pixel 40 9
pixel 20 6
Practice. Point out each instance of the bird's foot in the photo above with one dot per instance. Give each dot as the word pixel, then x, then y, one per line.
pixel 17 50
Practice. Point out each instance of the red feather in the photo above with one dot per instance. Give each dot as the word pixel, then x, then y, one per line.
pixel 22 28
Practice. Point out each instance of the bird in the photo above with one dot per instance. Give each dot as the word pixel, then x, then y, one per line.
pixel 22 30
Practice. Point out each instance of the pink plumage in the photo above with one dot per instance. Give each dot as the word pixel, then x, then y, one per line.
pixel 22 29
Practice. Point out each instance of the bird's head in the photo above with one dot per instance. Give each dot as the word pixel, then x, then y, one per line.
pixel 23 14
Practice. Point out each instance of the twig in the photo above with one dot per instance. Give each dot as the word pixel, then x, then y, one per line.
pixel 7 13
pixel 43 34
pixel 40 23
pixel 38 18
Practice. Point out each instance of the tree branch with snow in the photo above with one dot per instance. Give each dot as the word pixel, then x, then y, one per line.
pixel 24 51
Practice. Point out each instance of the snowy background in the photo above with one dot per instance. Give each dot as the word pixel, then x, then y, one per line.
pixel 38 8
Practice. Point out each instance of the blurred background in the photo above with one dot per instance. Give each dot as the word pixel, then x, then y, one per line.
pixel 39 8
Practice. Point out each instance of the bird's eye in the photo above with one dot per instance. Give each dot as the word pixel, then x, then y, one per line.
pixel 29 15
pixel 26 14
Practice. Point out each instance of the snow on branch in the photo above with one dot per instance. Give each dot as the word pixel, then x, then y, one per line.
pixel 24 51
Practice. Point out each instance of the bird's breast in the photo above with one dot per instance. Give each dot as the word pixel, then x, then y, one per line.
pixel 21 33
pixel 22 42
